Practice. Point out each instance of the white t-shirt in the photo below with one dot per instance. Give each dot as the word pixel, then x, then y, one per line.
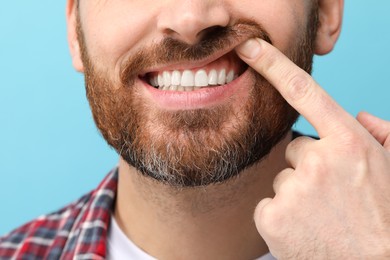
pixel 119 247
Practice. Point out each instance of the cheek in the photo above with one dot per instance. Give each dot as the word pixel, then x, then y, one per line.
pixel 282 19
pixel 112 30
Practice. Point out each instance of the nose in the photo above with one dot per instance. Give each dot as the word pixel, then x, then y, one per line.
pixel 190 20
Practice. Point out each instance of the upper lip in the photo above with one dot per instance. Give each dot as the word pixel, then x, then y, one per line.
pixel 188 65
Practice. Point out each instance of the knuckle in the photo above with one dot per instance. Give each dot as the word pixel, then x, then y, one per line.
pixel 353 144
pixel 358 152
pixel 267 220
pixel 299 142
pixel 270 61
pixel 299 86
pixel 313 163
pixel 280 181
pixel 293 145
pixel 350 137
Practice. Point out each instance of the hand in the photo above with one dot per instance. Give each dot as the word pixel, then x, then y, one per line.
pixel 334 201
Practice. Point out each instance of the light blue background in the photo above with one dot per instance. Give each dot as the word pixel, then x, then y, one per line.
pixel 50 150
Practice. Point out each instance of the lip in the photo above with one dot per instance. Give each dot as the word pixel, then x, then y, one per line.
pixel 202 98
pixel 189 65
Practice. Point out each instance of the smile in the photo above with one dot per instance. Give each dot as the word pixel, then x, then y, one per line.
pixel 188 85
pixel 220 72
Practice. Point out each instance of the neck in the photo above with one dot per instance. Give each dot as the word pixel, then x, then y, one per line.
pixel 212 222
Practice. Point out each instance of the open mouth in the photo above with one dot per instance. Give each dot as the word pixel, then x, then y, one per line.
pixel 219 72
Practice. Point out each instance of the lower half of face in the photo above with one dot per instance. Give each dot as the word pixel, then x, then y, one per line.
pixel 197 137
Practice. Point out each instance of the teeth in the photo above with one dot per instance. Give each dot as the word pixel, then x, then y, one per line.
pixel 222 77
pixel 160 80
pixel 173 88
pixel 230 77
pixel 167 78
pixel 189 81
pixel 213 77
pixel 201 79
pixel 176 78
pixel 153 82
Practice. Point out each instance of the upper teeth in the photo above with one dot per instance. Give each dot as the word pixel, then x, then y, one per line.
pixel 176 80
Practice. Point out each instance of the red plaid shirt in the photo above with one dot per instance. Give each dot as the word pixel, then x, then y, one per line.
pixel 78 231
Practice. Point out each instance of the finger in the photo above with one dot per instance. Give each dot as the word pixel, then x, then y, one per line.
pixel 296 148
pixel 281 178
pixel 378 128
pixel 264 202
pixel 259 212
pixel 296 86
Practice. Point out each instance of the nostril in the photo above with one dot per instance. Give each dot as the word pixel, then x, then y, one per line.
pixel 169 32
pixel 190 21
pixel 214 32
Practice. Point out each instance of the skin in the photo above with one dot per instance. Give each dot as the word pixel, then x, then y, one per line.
pixel 216 222
pixel 338 185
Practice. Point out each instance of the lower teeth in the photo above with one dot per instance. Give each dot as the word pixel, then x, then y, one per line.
pixel 178 88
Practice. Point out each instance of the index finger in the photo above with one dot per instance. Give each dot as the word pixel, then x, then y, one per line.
pixel 296 86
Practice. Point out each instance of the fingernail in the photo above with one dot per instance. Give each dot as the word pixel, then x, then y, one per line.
pixel 249 49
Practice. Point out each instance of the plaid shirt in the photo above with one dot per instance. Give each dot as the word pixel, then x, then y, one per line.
pixel 78 231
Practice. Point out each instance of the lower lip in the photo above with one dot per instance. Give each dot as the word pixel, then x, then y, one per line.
pixel 197 99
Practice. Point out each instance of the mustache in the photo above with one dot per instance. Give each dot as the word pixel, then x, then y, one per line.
pixel 171 50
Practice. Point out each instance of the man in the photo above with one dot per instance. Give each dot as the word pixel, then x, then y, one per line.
pixel 198 99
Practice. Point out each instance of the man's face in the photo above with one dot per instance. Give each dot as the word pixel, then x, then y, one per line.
pixel 168 92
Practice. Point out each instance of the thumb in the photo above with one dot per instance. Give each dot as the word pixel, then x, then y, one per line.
pixel 378 128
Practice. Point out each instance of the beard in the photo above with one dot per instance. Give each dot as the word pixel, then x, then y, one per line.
pixel 198 147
